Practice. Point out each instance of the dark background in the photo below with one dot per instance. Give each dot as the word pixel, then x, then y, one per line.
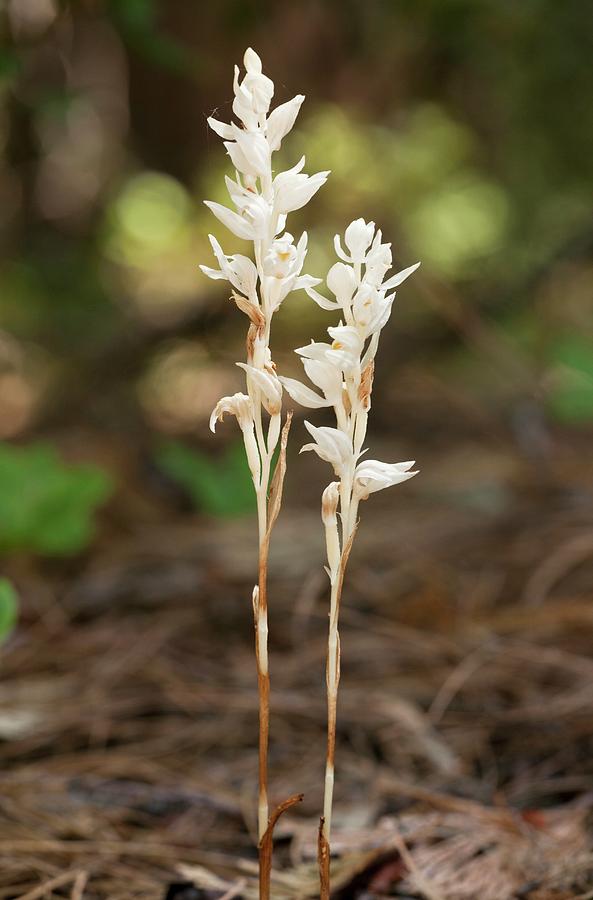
pixel 464 129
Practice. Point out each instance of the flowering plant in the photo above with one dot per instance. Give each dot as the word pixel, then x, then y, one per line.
pixel 261 204
pixel 342 371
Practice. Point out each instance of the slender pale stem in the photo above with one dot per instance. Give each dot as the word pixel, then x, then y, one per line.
pixel 261 655
pixel 333 680
pixel 261 625
pixel 263 675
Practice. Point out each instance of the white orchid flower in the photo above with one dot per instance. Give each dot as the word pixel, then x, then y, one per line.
pixel 238 269
pixel 239 405
pixel 378 262
pixel 280 259
pixel 371 309
pixel 282 266
pixel 252 222
pixel 249 152
pixel 235 223
pixel 254 94
pixel 346 347
pixel 331 445
pixel 341 280
pixel 358 238
pixel 259 85
pixel 372 475
pixel 325 375
pixel 269 385
pixel 292 190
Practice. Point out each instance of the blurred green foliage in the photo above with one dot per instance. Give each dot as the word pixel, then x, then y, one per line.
pixel 223 488
pixel 463 129
pixel 138 22
pixel 570 397
pixel 8 608
pixel 46 506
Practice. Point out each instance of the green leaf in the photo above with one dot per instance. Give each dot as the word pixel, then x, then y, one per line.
pixel 223 489
pixel 8 608
pixel 47 507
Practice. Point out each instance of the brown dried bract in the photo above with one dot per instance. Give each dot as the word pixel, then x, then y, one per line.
pixel 275 498
pixel 366 385
pixel 254 313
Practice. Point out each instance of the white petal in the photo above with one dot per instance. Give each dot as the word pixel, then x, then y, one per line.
pixel 314 350
pixel 255 149
pixel 373 475
pixel 324 375
pixel 358 238
pixel 251 61
pixel 268 384
pixel 238 158
pixel 215 274
pixel 303 394
pixel 305 281
pixel 234 222
pixel 339 250
pixel 320 300
pixel 281 120
pixel 332 445
pixel 293 190
pixel 220 128
pixel 399 277
pixel 239 405
pixel 341 281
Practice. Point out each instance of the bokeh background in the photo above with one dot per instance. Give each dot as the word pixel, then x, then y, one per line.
pixel 464 130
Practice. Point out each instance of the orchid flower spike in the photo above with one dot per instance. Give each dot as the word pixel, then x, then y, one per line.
pixel 341 371
pixel 260 282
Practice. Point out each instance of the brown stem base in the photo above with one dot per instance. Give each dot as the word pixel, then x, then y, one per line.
pixel 323 862
pixel 266 846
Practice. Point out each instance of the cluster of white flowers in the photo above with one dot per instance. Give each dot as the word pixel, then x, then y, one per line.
pixel 342 372
pixel 343 369
pixel 261 203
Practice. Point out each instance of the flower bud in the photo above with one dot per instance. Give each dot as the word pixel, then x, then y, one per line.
pixel 341 281
pixel 252 61
pixel 329 503
pixel 358 238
